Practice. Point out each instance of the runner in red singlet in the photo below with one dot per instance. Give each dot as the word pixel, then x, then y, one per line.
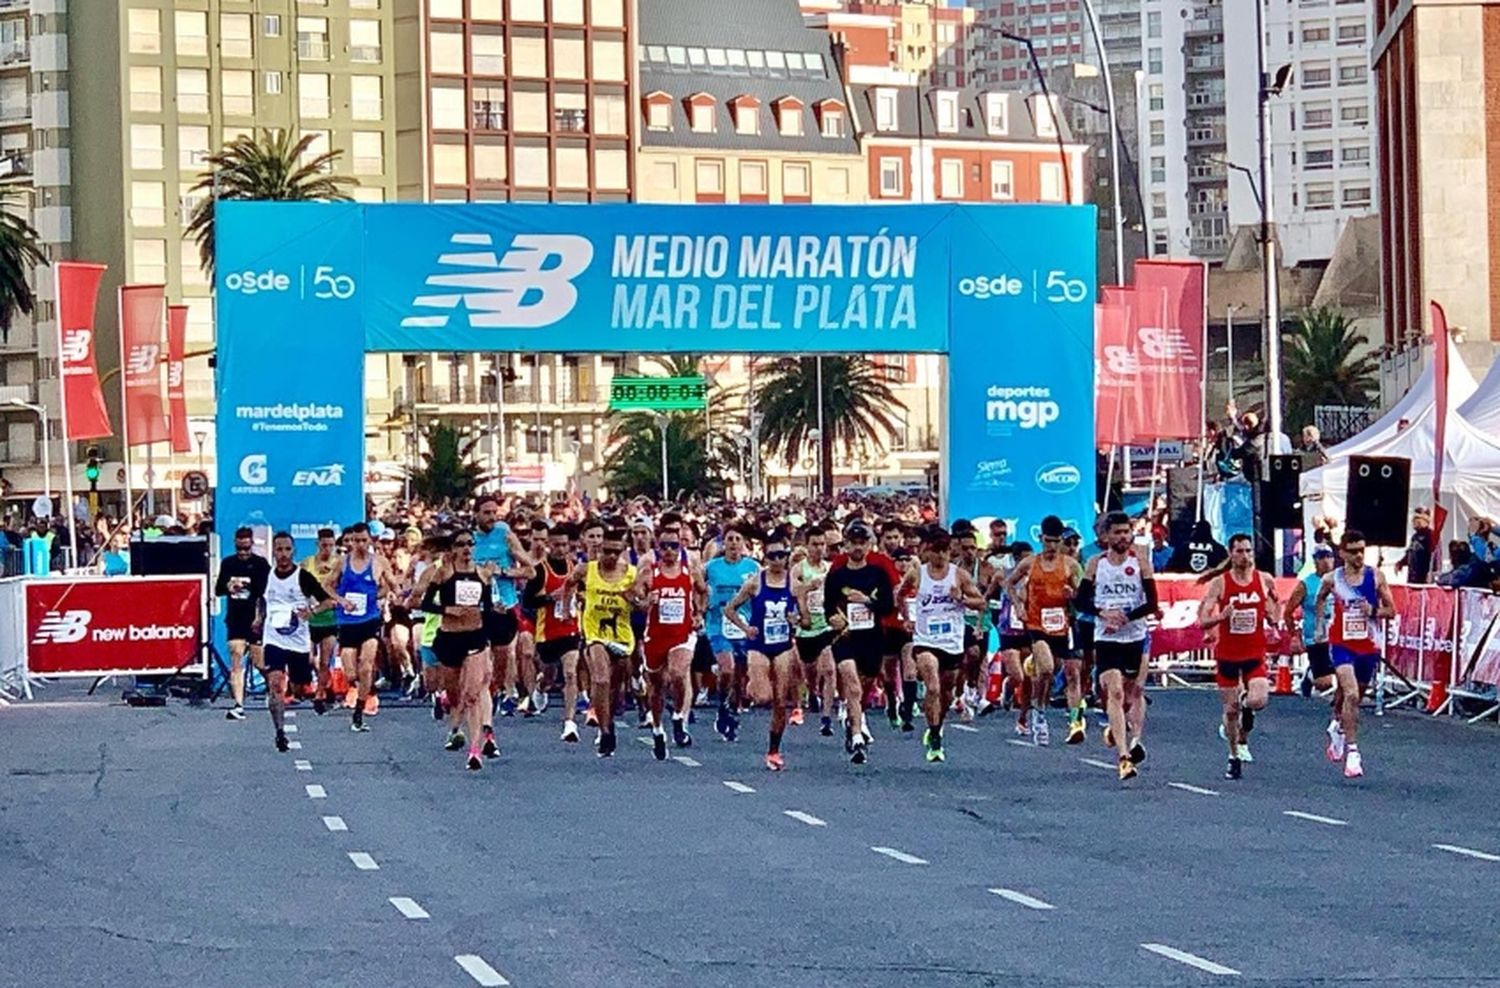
pixel 1237 608
pixel 675 597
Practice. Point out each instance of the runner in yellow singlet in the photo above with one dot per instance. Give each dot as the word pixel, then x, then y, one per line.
pixel 607 587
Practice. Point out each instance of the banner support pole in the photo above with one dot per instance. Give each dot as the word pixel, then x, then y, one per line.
pixel 62 388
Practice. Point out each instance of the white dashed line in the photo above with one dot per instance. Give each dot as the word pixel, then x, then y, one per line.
pixel 408 907
pixel 1197 789
pixel 290 729
pixel 294 745
pixel 1298 814
pixel 1191 960
pixel 900 856
pixel 806 818
pixel 335 823
pixel 316 792
pixel 737 786
pixel 1467 852
pixel 685 760
pixel 303 765
pixel 480 971
pixel 1096 763
pixel 363 861
pixel 964 727
pixel 645 741
pixel 1019 743
pixel 1022 899
pixel 291 715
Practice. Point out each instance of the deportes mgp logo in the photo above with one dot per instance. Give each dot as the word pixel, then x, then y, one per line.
pixel 1007 409
pixel 530 286
pixel 69 627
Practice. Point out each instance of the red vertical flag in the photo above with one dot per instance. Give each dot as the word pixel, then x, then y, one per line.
pixel 1114 356
pixel 142 309
pixel 83 401
pixel 176 391
pixel 1440 380
pixel 1169 316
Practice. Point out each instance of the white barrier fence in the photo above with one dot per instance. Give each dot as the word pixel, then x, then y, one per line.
pixel 14 683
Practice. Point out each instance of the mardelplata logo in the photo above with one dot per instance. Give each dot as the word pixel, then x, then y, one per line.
pixel 531 286
pixel 62 627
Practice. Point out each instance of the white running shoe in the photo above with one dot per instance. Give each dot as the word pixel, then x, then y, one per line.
pixel 1242 752
pixel 1335 742
pixel 539 700
pixel 1354 766
pixel 701 700
pixel 570 732
pixel 1041 734
pixel 864 732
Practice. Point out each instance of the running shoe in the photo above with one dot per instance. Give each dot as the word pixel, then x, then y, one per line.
pixel 235 712
pixel 1335 742
pixel 437 706
pixel 827 729
pixel 490 749
pixel 507 706
pixel 319 706
pixel 865 735
pixel 606 744
pixel 733 733
pixel 475 762
pixel 1023 724
pixel 570 732
pixel 795 717
pixel 581 704
pixel 1354 766
pixel 966 715
pixel 659 747
pixel 987 708
pixel 906 725
pixel 857 756
pixel 775 762
pixel 1242 752
pixel 894 721
pixel 455 741
pixel 525 708
pixel 1235 770
pixel 539 700
pixel 1041 733
pixel 382 684
pixel 1077 731
pixel 1137 752
pixel 1127 769
pixel 680 737
pixel 701 699
pixel 721 722
pixel 1306 686
pixel 643 718
pixel 359 727
pixel 849 737
pixel 282 744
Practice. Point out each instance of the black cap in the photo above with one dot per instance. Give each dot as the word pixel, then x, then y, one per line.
pixel 858 531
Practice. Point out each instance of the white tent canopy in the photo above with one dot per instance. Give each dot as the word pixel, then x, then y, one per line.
pixel 1482 409
pixel 1421 395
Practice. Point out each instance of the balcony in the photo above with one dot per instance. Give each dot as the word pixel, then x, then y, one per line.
pixel 1204 173
pixel 1206 101
pixel 367 54
pixel 14 54
pixel 18 112
pixel 517 396
pixel 313 49
pixel 1204 25
pixel 1205 138
pixel 21 453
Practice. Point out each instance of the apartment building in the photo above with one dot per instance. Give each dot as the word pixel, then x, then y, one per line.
pixel 1055 28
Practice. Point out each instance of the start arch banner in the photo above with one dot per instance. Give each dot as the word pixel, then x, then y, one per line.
pixel 306 289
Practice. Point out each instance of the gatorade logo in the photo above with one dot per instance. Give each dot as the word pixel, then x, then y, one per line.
pixel 530 286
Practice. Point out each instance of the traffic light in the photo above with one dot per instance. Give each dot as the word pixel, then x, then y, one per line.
pixel 92 470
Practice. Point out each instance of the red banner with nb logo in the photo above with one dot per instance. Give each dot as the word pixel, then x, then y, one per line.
pixel 1177 629
pixel 142 311
pixel 1150 355
pixel 83 401
pixel 112 626
pixel 176 386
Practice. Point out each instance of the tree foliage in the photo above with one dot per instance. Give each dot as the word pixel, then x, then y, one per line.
pixel 1322 366
pixel 20 251
pixel 450 469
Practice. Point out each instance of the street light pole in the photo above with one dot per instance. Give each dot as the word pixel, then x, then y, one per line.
pixel 1272 299
pixel 822 465
pixel 40 411
pixel 1114 143
pixel 661 423
pixel 1229 346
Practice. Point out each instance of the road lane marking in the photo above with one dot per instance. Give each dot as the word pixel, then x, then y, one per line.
pixel 1298 814
pixel 806 818
pixel 335 823
pixel 290 715
pixel 1467 852
pixel 289 729
pixel 303 765
pixel 900 856
pixel 408 907
pixel 685 760
pixel 737 786
pixel 1096 763
pixel 1022 899
pixel 480 971
pixel 645 741
pixel 363 861
pixel 964 727
pixel 1019 742
pixel 316 792
pixel 1197 789
pixel 294 745
pixel 1191 960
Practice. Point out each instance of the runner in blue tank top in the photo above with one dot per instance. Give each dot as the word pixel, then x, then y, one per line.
pixel 363 579
pixel 725 575
pixel 773 610
pixel 497 545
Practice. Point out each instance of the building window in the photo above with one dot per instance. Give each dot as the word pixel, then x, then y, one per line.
pixel 272 81
pixel 607 13
pixel 270 25
pixel 1351 33
pixel 709 176
pixel 702 117
pixel 192 148
pixel 1153 24
pixel 369 152
pixel 1317 116
pixel 149 262
pixel 609 113
pixel 1314 32
pixel 1045 111
pixel 1318 197
pixel 658 115
pixel 148 206
pixel 448 108
pixel 789 118
pixel 1317 156
pixel 571 167
pixel 1158 168
pixel 191 32
pixel 192 90
pixel 947 113
pixel 145 89
pixel 528 56
pixel 1354 113
pixel 885 109
pixel 1051 182
pixel 951 178
pixel 567 11
pixel 236 36
pixel 570 113
pixel 796 180
pixel 568 57
pixel 312 38
pixel 1357 195
pixel 1352 73
pixel 1153 61
pixel 1355 153
pixel 487 54
pixel 364 40
pixel 664 174
pixel 1158 133
pixel 832 122
pixel 892 178
pixel 1002 180
pixel 490 163
pixel 530 111
pixel 538 441
pixel 145 31
pixel 1316 75
pixel 611 169
pixel 488 107
pixel 1158 205
pixel 996 114
pixel 238 96
pixel 609 60
pixel 312 96
pixel 753 179
pixel 746 116
pixel 526 10
pixel 450 164
pixel 445 52
pixel 533 167
pixel 366 101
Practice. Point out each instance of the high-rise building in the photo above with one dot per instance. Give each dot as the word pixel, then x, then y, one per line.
pixel 1055 29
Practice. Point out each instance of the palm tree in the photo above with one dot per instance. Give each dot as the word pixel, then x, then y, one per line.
pixel 449 470
pixel 19 253
pixel 633 464
pixel 857 406
pixel 266 165
pixel 1321 366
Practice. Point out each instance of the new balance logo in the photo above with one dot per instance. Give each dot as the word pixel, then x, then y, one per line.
pixel 174 374
pixel 529 287
pixel 63 627
pixel 143 358
pixel 75 345
pixel 1164 344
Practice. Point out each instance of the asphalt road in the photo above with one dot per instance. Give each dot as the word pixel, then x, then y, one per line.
pixel 149 847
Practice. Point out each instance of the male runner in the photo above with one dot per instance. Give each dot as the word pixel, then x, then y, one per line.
pixel 607 589
pixel 768 634
pixel 1045 585
pixel 549 594
pixel 1359 593
pixel 725 574
pixel 288 641
pixel 674 597
pixel 1119 592
pixel 856 596
pixel 944 593
pixel 324 565
pixel 1319 674
pixel 813 634
pixel 242 579
pixel 363 580
pixel 496 544
pixel 976 623
pixel 1237 608
pixel 1015 643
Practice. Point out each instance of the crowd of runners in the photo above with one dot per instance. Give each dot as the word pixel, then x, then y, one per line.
pixel 659 615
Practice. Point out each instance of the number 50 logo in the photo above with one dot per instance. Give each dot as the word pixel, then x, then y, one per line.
pixel 327 284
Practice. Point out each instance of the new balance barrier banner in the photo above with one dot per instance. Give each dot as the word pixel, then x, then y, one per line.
pixel 77 294
pixel 142 309
pixel 305 289
pixel 113 626
pixel 1168 351
pixel 176 388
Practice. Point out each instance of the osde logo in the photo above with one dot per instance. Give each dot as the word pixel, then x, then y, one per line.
pixel 255 282
pixel 999 286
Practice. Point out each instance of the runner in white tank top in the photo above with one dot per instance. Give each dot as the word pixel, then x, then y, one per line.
pixel 945 592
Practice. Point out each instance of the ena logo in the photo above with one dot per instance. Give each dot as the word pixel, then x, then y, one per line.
pixel 331 475
pixel 75 345
pixel 143 359
pixel 62 627
pixel 529 287
pixel 253 469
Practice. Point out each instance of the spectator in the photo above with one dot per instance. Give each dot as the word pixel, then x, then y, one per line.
pixel 1200 553
pixel 38 549
pixel 1312 447
pixel 1161 552
pixel 117 556
pixel 1417 561
pixel 1464 569
pixel 1484 539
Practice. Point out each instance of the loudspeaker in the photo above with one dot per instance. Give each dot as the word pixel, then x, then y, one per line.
pixel 169 555
pixel 1182 503
pixel 1280 495
pixel 1377 497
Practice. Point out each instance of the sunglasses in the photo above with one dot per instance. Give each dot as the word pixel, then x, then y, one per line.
pixel 671 545
pixel 778 554
pixel 1051 539
pixel 464 544
pixel 1354 548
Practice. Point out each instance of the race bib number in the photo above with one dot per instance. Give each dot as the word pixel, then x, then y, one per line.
pixel 1243 621
pixel 861 618
pixel 815 601
pixel 1356 626
pixel 560 609
pixel 1054 620
pixel 732 631
pixel 673 610
pixel 934 628
pixel 468 593
pixel 358 604
pixel 239 588
pixel 282 617
pixel 1016 624
pixel 778 632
